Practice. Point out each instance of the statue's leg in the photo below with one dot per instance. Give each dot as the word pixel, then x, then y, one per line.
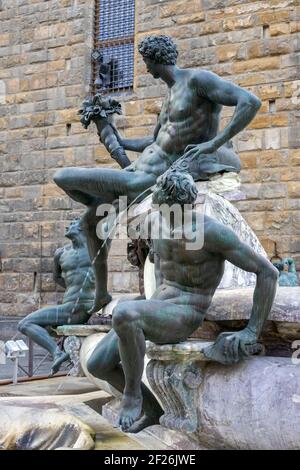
pixel 98 251
pixel 107 184
pixel 104 364
pixel 161 322
pixel 34 326
pixel 93 187
pixel 89 187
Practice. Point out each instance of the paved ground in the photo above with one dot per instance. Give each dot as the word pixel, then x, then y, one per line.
pixel 80 398
pixel 6 370
pixel 50 387
pixel 41 361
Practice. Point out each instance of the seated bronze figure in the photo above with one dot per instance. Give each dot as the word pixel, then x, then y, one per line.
pixel 73 272
pixel 187 129
pixel 189 279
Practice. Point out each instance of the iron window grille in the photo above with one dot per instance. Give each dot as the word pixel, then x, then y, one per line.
pixel 113 56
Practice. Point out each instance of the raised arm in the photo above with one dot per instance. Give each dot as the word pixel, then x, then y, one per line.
pixel 208 85
pixel 57 277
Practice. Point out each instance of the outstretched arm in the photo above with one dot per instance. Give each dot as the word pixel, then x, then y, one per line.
pixel 57 277
pixel 208 85
pixel 138 145
pixel 230 347
pixel 224 241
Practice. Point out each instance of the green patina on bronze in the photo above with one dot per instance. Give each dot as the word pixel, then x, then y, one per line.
pixel 186 146
pixel 100 109
pixel 188 281
pixel 73 272
pixel 187 131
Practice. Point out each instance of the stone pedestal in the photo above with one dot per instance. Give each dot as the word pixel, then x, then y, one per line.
pixel 176 374
pixel 42 423
pixel 252 405
pixel 75 336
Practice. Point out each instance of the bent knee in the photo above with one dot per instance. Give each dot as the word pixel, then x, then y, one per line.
pixel 138 185
pixel 23 325
pixel 123 315
pixel 91 366
pixel 62 176
pixel 97 369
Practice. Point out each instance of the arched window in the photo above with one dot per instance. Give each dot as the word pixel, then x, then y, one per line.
pixel 113 56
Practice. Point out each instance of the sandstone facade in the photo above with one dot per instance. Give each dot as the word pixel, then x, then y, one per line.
pixel 45 73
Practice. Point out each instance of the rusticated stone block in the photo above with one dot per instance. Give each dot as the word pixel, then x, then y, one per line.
pixel 179 7
pixel 279 28
pixel 294 189
pixel 195 18
pixel 295 157
pixel 235 23
pixel 152 106
pixel 272 158
pixel 228 52
pixel 263 63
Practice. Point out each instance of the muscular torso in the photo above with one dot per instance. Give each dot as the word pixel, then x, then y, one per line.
pixel 78 275
pixel 185 119
pixel 188 275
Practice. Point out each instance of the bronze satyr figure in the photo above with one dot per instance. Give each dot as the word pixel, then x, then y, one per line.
pixel 73 272
pixel 188 127
pixel 189 279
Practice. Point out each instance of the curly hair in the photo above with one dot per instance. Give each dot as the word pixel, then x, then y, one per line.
pixel 160 49
pixel 174 187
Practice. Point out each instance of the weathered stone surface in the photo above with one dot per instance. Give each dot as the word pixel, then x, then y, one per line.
pixel 190 350
pixel 36 425
pixel 228 407
pixel 81 330
pixel 236 304
pixel 222 210
pixel 72 346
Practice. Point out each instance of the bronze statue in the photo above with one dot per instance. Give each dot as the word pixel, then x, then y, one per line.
pixel 73 272
pixel 287 272
pixel 188 127
pixel 189 279
pixel 101 109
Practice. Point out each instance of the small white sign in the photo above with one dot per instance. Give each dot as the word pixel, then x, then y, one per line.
pixel 2 353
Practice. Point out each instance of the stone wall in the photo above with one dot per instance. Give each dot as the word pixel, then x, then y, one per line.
pixel 44 75
pixel 45 72
pixel 256 45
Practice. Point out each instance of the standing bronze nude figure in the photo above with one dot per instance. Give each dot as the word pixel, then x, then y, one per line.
pixel 187 127
pixel 189 279
pixel 73 272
